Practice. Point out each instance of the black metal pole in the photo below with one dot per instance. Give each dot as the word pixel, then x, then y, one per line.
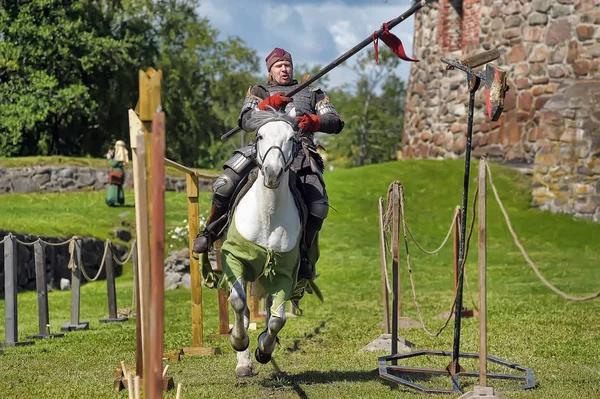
pixel 75 324
pixel 417 6
pixel 463 219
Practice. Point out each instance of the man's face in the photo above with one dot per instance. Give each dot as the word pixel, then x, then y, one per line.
pixel 282 72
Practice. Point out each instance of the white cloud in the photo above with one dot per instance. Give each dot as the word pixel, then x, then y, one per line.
pixel 313 32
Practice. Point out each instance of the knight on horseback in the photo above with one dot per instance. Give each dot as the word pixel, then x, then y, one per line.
pixel 314 114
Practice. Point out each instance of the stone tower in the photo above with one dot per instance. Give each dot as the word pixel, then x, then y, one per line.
pixel 551 119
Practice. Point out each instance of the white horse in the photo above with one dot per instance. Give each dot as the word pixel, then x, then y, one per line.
pixel 263 240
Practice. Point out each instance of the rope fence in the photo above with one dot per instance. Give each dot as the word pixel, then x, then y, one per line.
pixel 387 227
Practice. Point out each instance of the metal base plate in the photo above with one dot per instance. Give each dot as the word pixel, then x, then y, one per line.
pixel 116 320
pixel 482 392
pixel 83 325
pixel 45 336
pixel 18 343
pixel 384 343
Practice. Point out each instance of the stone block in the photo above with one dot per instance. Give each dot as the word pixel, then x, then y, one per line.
pixel 525 100
pixel 585 32
pixel 533 34
pixel 522 69
pixel 556 71
pixel 539 54
pixel 522 83
pixel 581 66
pixel 517 53
pixel 545 160
pixel 511 33
pixel 558 53
pixel 561 11
pixel 460 143
pixel 537 18
pixel 540 102
pixel 558 32
pixel 541 5
pixel 574 51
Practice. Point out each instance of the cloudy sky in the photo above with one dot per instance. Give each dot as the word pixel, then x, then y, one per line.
pixel 314 32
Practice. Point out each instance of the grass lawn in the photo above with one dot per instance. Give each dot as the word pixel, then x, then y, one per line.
pixel 319 355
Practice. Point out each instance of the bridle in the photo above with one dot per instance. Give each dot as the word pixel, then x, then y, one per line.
pixel 287 162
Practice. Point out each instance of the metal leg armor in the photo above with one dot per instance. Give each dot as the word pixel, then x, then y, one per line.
pixel 234 171
pixel 267 339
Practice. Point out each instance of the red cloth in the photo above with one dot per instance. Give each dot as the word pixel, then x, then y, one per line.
pixel 393 43
pixel 277 101
pixel 309 123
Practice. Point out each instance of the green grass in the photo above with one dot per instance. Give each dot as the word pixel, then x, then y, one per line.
pixel 57 160
pixel 319 355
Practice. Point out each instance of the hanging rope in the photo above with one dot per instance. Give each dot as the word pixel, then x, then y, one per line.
pixel 435 251
pixel 87 277
pixel 122 262
pixel 526 256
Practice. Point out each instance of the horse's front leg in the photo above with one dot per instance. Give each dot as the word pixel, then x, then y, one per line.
pixel 237 298
pixel 275 322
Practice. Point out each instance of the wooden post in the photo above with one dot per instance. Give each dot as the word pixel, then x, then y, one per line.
pixel 75 324
pixel 195 277
pixel 10 294
pixel 396 286
pixel 383 256
pixel 111 288
pixel 138 146
pixel 482 274
pixel 153 387
pixel 139 361
pixel 42 293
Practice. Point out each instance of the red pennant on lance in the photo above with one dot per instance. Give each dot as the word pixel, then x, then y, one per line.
pixel 393 43
pixel 376 46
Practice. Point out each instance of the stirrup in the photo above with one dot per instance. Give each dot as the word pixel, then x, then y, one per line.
pixel 305 269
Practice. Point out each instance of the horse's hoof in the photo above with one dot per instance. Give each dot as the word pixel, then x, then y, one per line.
pixel 262 357
pixel 244 372
pixel 244 345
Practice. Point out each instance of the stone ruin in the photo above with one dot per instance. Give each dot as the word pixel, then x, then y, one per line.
pixel 551 119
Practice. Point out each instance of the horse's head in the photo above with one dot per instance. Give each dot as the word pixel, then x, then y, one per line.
pixel 276 143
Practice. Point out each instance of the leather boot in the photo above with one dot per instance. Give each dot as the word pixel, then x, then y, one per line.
pixel 313 225
pixel 215 222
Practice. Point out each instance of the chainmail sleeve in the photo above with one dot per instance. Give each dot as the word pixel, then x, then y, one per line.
pixel 331 121
pixel 254 95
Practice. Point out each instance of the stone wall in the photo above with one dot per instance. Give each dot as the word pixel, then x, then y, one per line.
pixel 566 175
pixel 68 178
pixel 546 46
pixel 57 260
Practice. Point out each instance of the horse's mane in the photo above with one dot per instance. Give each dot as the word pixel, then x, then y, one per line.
pixel 260 118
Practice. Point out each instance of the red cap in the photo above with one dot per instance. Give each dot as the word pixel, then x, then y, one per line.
pixel 278 54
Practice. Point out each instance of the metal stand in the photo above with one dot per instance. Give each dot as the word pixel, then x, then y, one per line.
pixel 42 289
pixel 495 81
pixel 10 294
pixel 112 292
pixel 75 324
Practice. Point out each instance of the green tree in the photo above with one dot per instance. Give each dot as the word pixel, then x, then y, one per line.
pixel 62 72
pixel 373 111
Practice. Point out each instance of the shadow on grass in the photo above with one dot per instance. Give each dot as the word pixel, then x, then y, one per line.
pixel 309 336
pixel 282 380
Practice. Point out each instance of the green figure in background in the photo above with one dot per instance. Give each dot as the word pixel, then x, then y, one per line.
pixel 116 176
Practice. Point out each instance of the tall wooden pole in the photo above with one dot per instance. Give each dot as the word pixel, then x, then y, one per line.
pixel 157 261
pixel 482 274
pixel 396 286
pixel 196 283
pixel 383 255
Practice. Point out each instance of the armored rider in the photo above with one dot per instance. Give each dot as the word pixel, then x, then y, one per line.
pixel 315 114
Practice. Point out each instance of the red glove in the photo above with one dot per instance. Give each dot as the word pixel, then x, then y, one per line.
pixel 277 101
pixel 309 123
